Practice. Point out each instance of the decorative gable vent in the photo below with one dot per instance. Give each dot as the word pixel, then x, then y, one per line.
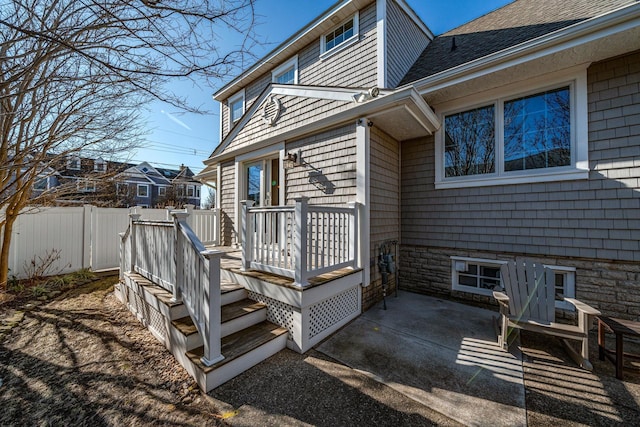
pixel 271 110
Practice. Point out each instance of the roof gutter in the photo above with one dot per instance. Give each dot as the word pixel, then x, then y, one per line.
pixel 556 41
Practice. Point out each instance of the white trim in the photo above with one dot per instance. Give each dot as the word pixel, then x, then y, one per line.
pixel 162 191
pixel 371 107
pixel 232 100
pixel 575 78
pixel 324 54
pixel 415 18
pixel 320 92
pixel 381 42
pixel 363 189
pixel 240 162
pixel 566 38
pixel 293 62
pixel 138 191
pixel 271 57
pixel 221 123
pixel 219 194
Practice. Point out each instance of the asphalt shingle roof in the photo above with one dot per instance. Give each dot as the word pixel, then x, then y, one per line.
pixel 508 26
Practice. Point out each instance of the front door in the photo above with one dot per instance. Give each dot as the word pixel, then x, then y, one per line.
pixel 262 179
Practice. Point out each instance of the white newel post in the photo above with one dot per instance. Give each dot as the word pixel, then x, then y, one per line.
pixel 300 241
pixel 354 235
pixel 247 234
pixel 178 217
pixel 211 310
pixel 133 217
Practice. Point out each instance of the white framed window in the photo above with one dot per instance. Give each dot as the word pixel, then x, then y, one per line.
pixel 516 134
pixel 41 184
pixel 286 73
pixel 236 107
pixel 100 165
pixel 482 276
pixel 190 190
pixel 162 191
pixel 197 191
pixel 73 163
pixel 343 35
pixel 86 185
pixel 180 190
pixel 143 190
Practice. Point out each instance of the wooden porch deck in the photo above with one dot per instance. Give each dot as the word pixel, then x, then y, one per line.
pixel 232 261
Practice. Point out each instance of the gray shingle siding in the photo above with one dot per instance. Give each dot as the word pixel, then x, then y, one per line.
pixel 405 43
pixel 596 218
pixel 227 202
pixel 328 176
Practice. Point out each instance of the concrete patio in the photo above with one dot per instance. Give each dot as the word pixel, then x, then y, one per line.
pixel 428 361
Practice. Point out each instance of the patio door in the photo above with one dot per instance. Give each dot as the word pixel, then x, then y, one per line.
pixel 262 186
pixel 262 182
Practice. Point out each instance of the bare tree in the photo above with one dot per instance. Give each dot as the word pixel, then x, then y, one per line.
pixel 75 75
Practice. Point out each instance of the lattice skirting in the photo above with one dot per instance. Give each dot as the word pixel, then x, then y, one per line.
pixel 148 316
pixel 277 311
pixel 331 311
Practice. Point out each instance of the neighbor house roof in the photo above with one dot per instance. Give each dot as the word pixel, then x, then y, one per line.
pixel 515 23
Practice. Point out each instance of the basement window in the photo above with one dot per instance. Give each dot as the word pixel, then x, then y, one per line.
pixel 482 277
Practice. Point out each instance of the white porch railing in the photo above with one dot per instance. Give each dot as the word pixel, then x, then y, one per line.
pixel 299 241
pixel 170 254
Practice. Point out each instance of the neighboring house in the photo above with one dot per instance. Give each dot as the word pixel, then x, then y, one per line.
pixel 108 183
pixel 364 136
pixel 152 186
pixel 515 134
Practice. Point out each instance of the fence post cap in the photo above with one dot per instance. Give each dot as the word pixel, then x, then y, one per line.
pixel 135 216
pixel 179 214
pixel 248 203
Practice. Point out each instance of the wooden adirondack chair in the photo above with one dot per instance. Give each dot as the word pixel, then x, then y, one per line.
pixel 529 303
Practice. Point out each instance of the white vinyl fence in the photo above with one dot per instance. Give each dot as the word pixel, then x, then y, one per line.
pixel 87 236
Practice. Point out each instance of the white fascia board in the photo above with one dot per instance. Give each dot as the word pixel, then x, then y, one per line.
pixel 416 19
pixel 316 92
pixel 381 43
pixel 271 58
pixel 376 105
pixel 208 173
pixel 565 38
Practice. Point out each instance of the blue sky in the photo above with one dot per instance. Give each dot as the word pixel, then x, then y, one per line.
pixel 179 138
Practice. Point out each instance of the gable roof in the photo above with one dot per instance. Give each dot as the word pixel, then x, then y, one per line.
pixel 508 26
pixel 311 32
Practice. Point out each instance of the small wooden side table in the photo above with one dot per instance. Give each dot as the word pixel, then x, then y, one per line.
pixel 620 328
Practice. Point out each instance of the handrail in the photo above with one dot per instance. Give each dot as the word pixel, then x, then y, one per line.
pixel 170 254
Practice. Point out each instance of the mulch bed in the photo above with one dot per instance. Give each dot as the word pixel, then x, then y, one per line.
pixel 83 359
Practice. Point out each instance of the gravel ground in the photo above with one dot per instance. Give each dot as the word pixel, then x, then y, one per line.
pixel 85 360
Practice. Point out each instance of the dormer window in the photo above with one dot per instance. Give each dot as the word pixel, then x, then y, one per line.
pixel 287 73
pixel 236 107
pixel 100 165
pixel 340 37
pixel 73 163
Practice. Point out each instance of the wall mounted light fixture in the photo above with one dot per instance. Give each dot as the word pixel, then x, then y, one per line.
pixel 290 161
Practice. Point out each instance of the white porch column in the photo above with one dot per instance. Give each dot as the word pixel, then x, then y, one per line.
pixel 300 234
pixel 363 188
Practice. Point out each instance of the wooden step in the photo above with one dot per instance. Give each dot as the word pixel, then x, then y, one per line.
pixel 235 317
pixel 158 297
pixel 231 292
pixel 240 343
